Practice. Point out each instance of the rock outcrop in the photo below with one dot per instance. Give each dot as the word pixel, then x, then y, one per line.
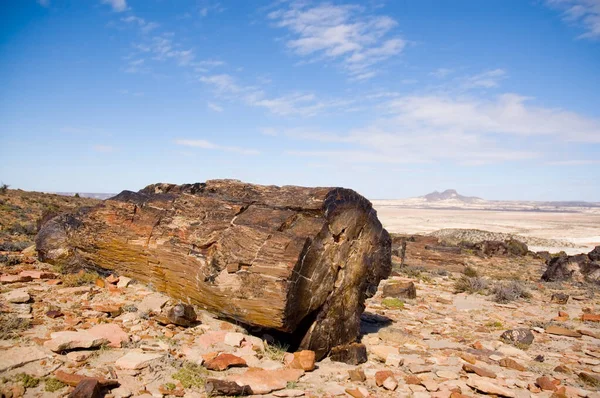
pixel 297 260
pixel 578 268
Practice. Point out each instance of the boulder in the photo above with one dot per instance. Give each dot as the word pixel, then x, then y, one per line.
pixel 578 268
pixel 353 354
pixel 517 337
pixel 400 289
pixel 298 260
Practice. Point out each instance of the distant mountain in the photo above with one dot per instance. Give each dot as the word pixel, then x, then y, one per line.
pixel 91 195
pixel 450 195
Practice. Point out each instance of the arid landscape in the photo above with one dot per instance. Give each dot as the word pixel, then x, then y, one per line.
pixel 456 318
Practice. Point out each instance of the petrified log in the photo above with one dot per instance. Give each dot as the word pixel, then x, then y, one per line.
pixel 293 259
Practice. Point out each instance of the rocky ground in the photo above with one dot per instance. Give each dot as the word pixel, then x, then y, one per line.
pixel 435 328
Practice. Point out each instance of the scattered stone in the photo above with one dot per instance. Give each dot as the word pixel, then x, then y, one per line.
pixel 153 302
pixel 134 360
pixel 304 360
pixel 545 383
pixel 38 274
pixel 264 381
pixel 67 340
pixel 227 388
pixel 511 364
pixel 357 375
pixel 381 376
pixel 79 356
pixel 468 358
pixel 18 296
pixel 412 380
pixel 182 315
pixel 112 279
pixel 352 354
pixel 113 309
pixel 400 289
pixel 517 337
pixel 485 385
pixel 559 298
pixel 359 392
pixel 87 388
pixel 54 314
pixel 224 361
pixel 18 356
pixel 123 282
pixel 394 360
pixel 289 393
pixel 234 339
pixel 111 332
pixel 446 374
pixel 562 369
pixel 590 317
pixel 73 379
pixel 381 352
pixel 390 383
pixel 560 331
pixel 479 371
pixel 4 278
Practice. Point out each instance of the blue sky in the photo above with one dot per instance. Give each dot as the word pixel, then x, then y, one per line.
pixel 497 98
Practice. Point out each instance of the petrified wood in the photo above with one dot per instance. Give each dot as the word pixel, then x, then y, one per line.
pixel 297 260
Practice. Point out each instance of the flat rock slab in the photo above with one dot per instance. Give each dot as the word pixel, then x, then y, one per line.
pixel 560 331
pixel 16 296
pixel 111 332
pixel 38 274
pixel 14 278
pixel 153 302
pixel 487 386
pixel 67 340
pixel 18 356
pixel 264 381
pixel 136 360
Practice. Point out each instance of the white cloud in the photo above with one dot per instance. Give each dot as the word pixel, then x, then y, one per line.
pixel 466 131
pixel 209 145
pixel 441 72
pixel 214 107
pixel 487 79
pixel 117 5
pixel 345 33
pixel 574 162
pixel 144 25
pixel 300 104
pixel 583 12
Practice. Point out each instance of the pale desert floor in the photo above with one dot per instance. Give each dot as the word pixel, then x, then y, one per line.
pixel 582 229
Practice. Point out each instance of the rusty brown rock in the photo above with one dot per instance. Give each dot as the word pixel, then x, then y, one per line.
pixel 545 383
pixel 511 364
pixel 381 376
pixel 298 260
pixel 87 388
pixel 304 360
pixel 357 375
pixel 400 289
pixel 479 371
pixel 224 361
pixel 73 379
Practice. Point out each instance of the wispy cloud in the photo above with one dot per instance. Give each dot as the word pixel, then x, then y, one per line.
pixel 585 13
pixel 299 104
pixel 145 26
pixel 574 162
pixel 441 72
pixel 487 79
pixel 44 3
pixel 464 130
pixel 347 34
pixel 211 146
pixel 214 107
pixel 117 5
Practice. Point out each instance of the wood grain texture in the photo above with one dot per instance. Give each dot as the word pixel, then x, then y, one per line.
pixel 298 260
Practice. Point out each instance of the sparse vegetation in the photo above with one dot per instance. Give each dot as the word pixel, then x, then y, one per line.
pixel 510 291
pixel 495 325
pixel 52 384
pixel 392 303
pixel 11 326
pixel 470 271
pixel 191 375
pixel 276 351
pixel 81 278
pixel 3 188
pixel 470 284
pixel 28 381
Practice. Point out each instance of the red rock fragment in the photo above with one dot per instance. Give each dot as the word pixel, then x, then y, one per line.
pixel 545 383
pixel 224 361
pixel 381 376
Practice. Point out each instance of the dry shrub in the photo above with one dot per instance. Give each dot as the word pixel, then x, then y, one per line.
pixel 470 284
pixel 510 291
pixel 11 326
